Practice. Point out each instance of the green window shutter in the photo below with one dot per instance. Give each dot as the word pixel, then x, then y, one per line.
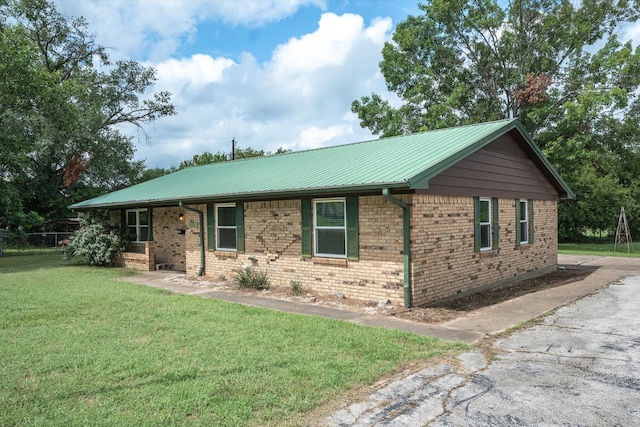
pixel 305 211
pixel 353 244
pixel 211 228
pixel 518 237
pixel 496 224
pixel 530 221
pixel 123 220
pixel 150 224
pixel 240 227
pixel 476 224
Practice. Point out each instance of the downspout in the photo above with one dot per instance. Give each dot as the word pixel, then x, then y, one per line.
pixel 406 247
pixel 201 214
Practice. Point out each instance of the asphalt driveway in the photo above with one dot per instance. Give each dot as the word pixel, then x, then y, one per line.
pixel 578 367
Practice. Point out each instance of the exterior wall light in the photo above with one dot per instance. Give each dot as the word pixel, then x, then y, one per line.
pixel 181 216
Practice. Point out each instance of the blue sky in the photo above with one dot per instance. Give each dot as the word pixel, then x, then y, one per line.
pixel 269 73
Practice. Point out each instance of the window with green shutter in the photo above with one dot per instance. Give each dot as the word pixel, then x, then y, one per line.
pixel 225 226
pixel 330 228
pixel 524 225
pixel 486 236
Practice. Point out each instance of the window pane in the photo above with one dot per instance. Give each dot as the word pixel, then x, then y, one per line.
pixel 484 211
pixel 330 242
pixel 132 232
pixel 330 214
pixel 143 234
pixel 485 236
pixel 227 216
pixel 131 218
pixel 523 211
pixel 227 238
pixel 143 218
pixel 524 232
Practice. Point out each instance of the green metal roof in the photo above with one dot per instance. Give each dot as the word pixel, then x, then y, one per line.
pixel 401 162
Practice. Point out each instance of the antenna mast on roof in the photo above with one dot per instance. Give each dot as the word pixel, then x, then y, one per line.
pixel 233 148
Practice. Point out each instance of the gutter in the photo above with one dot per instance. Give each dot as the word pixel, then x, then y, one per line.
pixel 406 249
pixel 201 214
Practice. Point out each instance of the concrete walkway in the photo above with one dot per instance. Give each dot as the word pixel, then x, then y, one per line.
pixel 486 321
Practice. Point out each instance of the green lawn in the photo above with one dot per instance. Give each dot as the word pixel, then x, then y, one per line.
pixel 78 348
pixel 602 249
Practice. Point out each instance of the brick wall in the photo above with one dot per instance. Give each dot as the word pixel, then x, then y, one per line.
pixel 444 262
pixel 168 245
pixel 273 238
pixel 139 258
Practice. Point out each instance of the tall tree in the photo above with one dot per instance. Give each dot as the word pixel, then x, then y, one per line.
pixel 60 111
pixel 557 65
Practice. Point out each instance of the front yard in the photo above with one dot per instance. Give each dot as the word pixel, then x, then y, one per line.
pixel 78 348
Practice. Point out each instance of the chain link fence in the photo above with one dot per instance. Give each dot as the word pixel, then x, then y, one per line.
pixel 49 239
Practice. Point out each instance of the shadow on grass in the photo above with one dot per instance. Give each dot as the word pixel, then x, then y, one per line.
pixel 21 262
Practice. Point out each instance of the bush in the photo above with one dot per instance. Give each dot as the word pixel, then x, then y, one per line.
pixel 296 287
pixel 96 242
pixel 251 278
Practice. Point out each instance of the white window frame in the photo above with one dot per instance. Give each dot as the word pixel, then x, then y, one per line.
pixel 225 227
pixel 316 227
pixel 524 232
pixel 137 225
pixel 486 224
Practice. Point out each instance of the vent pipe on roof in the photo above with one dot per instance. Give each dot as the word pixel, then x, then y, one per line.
pixel 406 247
pixel 201 214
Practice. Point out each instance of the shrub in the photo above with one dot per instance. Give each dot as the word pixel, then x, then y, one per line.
pixel 251 278
pixel 296 287
pixel 95 242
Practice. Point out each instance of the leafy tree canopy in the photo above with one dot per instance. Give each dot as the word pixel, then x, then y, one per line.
pixel 61 101
pixel 557 65
pixel 239 153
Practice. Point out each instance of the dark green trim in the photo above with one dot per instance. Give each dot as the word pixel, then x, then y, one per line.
pixel 353 244
pixel 530 206
pixel 476 224
pixel 518 234
pixel 150 224
pixel 406 244
pixel 211 228
pixel 305 213
pixel 496 223
pixel 123 220
pixel 240 227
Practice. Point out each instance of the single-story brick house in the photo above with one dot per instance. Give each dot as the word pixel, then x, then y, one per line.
pixel 414 219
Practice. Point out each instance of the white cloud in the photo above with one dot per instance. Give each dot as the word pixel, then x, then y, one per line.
pixel 299 98
pixel 294 100
pixel 632 32
pixel 328 46
pixel 158 27
pixel 316 138
pixel 191 74
pixel 257 13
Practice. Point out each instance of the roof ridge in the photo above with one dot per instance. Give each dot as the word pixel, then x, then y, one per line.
pixel 288 153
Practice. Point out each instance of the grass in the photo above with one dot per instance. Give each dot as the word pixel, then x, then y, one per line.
pixel 29 250
pixel 599 248
pixel 79 348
